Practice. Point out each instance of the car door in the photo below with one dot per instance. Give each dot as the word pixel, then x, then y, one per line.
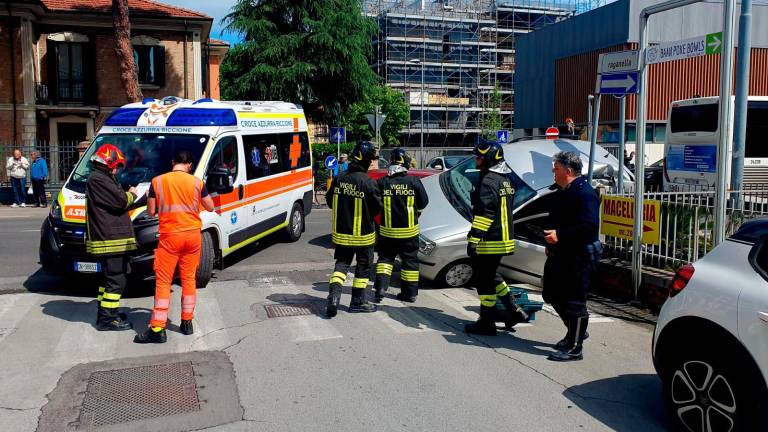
pixel 527 263
pixel 226 155
pixel 753 304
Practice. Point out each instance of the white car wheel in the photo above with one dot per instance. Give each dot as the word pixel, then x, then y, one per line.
pixel 704 400
pixel 458 274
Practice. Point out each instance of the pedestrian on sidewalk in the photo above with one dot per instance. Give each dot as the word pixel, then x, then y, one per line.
pixel 354 200
pixel 16 167
pixel 109 233
pixel 38 174
pixel 573 252
pixel 176 197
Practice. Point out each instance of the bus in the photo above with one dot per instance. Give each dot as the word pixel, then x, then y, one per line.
pixel 690 149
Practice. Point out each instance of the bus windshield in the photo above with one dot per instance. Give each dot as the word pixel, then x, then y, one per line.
pixel 146 155
pixel 694 118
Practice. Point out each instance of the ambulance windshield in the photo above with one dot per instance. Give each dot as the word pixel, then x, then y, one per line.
pixel 146 155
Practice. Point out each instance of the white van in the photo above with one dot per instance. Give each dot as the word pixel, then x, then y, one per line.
pixel 690 150
pixel 254 157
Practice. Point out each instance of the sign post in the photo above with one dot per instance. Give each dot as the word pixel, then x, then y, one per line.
pixel 617 219
pixel 687 48
pixel 338 135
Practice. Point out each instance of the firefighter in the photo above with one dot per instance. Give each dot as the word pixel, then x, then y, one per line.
pixel 109 233
pixel 354 200
pixel 491 238
pixel 176 197
pixel 403 198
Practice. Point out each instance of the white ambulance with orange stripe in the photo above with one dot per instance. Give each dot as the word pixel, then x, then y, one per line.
pixel 254 157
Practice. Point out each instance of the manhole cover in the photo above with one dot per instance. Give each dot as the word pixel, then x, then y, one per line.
pixel 124 395
pixel 289 310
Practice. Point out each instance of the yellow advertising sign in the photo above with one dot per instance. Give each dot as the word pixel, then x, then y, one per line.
pixel 617 218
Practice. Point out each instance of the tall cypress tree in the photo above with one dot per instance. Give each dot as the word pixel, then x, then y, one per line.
pixel 312 52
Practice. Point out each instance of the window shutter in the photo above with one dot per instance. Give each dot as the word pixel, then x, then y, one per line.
pixel 159 60
pixel 51 62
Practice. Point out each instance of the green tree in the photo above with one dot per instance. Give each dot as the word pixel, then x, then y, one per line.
pixel 392 104
pixel 312 52
pixel 490 118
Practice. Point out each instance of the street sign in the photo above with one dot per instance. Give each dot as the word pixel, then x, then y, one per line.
pixel 338 135
pixel 694 47
pixel 617 218
pixel 376 121
pixel 552 133
pixel 331 162
pixel 502 136
pixel 617 83
pixel 622 61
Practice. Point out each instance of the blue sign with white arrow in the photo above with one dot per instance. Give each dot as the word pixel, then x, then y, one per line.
pixel 618 83
pixel 338 135
pixel 331 162
pixel 502 136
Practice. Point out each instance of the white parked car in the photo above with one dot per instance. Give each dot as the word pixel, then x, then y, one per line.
pixel 710 346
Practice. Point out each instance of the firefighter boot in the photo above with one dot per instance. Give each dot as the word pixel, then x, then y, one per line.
pixel 577 329
pixel 485 326
pixel 151 335
pixel 109 320
pixel 515 314
pixel 359 302
pixel 381 285
pixel 334 297
pixel 565 342
pixel 186 327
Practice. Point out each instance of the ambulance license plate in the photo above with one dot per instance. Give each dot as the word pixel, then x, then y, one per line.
pixel 87 267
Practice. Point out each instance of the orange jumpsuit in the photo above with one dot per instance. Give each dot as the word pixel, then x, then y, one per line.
pixel 179 197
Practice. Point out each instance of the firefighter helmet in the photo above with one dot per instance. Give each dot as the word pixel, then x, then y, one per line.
pixel 400 157
pixel 490 152
pixel 109 155
pixel 363 153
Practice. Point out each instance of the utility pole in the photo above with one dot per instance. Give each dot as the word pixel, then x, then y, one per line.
pixel 742 96
pixel 622 127
pixel 593 139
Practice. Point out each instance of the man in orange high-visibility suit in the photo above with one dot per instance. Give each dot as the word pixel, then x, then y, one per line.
pixel 176 198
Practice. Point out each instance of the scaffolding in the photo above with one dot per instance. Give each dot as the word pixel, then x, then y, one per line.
pixel 451 56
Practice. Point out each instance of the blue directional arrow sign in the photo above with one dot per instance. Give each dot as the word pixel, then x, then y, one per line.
pixel 618 83
pixel 331 162
pixel 338 135
pixel 502 136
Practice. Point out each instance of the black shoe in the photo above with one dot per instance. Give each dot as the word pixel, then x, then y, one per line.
pixel 574 353
pixel 377 298
pixel 150 336
pixel 115 324
pixel 563 344
pixel 334 297
pixel 481 327
pixel 362 307
pixel 406 298
pixel 186 327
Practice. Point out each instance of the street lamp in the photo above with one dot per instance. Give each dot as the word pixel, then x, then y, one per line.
pixel 421 96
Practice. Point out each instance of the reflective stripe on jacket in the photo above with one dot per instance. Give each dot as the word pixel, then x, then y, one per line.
pixel 492 227
pixel 354 199
pixel 403 198
pixel 178 196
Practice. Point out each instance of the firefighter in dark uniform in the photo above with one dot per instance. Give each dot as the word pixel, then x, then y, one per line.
pixel 403 198
pixel 109 233
pixel 573 251
pixel 354 200
pixel 491 238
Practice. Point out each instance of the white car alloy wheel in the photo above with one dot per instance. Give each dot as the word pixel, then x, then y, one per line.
pixel 704 400
pixel 458 274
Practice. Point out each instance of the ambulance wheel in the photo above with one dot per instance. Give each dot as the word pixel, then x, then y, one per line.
pixel 207 257
pixel 295 223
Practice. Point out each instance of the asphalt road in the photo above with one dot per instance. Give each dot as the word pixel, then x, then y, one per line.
pixel 403 368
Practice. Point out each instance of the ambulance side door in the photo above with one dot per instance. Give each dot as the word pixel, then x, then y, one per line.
pixel 264 182
pixel 227 157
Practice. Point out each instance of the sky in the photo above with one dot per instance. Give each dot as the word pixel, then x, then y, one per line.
pixel 217 9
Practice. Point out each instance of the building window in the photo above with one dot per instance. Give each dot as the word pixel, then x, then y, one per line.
pixel 150 64
pixel 69 57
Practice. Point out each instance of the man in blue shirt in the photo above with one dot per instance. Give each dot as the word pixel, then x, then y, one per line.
pixel 38 173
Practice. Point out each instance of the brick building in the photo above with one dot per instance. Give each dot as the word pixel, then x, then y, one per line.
pixel 60 57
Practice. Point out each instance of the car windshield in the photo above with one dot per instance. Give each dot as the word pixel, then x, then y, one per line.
pixel 458 184
pixel 146 155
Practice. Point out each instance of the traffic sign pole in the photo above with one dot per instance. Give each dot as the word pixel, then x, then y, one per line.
pixel 622 126
pixel 593 142
pixel 742 93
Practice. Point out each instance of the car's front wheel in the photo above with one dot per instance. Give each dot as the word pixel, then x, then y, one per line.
pixel 457 274
pixel 712 389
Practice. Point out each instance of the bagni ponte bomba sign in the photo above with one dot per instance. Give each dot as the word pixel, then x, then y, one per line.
pixel 617 218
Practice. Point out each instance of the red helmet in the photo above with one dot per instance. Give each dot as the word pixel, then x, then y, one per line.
pixel 109 155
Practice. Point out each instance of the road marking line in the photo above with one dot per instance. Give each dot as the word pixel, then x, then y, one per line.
pixel 309 328
pixel 403 320
pixel 13 308
pixel 208 317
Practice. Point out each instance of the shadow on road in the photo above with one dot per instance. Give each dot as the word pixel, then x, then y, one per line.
pixel 619 401
pixel 75 285
pixel 322 241
pixel 78 311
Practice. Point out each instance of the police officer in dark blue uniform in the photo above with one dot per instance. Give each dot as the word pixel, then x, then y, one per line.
pixel 573 251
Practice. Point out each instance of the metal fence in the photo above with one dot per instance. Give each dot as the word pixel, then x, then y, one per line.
pixel 60 157
pixel 686 225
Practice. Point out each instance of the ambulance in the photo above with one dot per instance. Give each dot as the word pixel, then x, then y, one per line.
pixel 254 158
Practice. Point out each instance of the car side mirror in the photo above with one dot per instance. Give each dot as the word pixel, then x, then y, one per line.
pixel 220 180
